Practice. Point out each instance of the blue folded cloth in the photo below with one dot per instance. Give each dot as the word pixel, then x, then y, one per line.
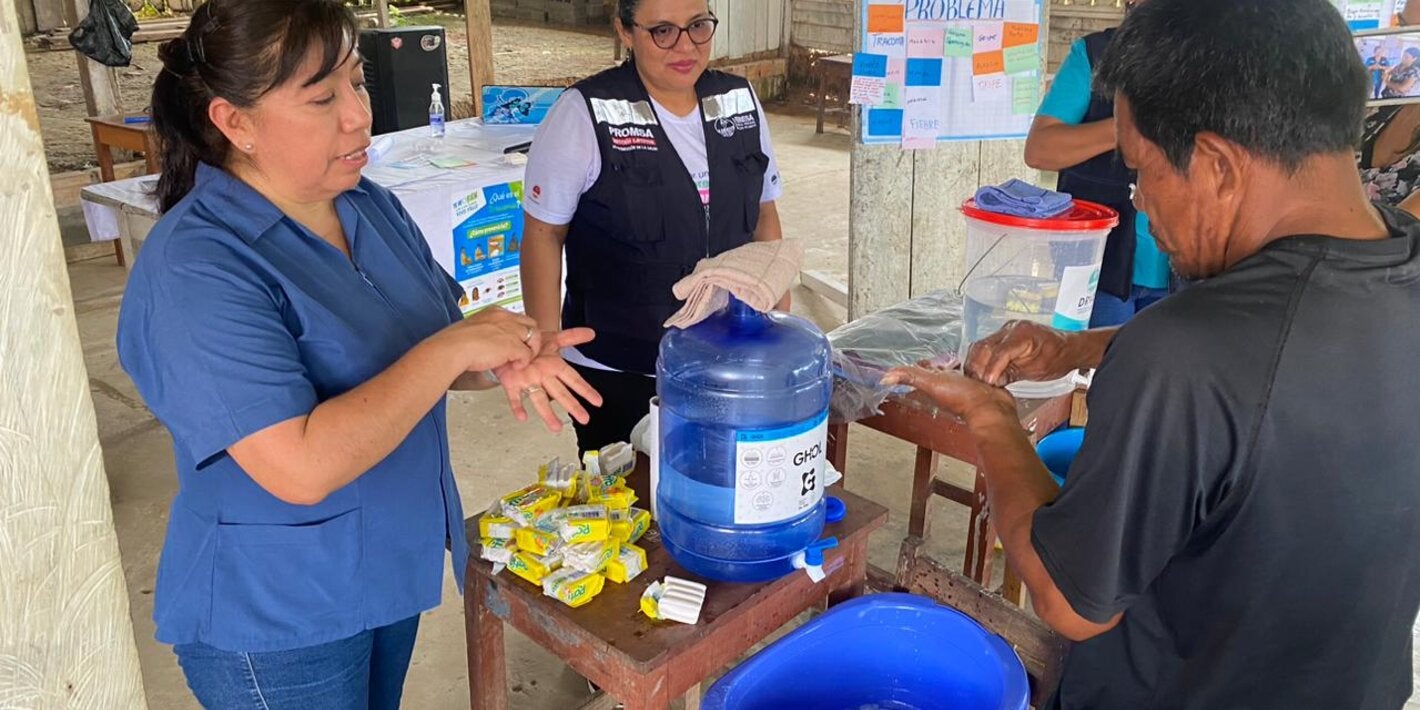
pixel 1022 199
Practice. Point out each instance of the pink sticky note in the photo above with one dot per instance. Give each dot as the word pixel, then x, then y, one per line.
pixel 927 42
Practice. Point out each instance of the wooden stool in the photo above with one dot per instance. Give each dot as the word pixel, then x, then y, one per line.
pixel 914 419
pixel 114 132
pixel 646 664
pixel 835 71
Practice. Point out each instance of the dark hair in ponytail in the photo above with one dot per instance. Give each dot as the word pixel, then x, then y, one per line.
pixel 626 12
pixel 236 50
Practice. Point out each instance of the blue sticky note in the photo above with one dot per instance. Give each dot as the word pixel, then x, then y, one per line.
pixel 873 65
pixel 924 72
pixel 885 122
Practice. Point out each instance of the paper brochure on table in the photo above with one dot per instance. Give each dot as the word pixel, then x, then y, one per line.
pixel 948 70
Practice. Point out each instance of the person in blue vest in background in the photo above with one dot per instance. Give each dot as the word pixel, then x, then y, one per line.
pixel 1073 133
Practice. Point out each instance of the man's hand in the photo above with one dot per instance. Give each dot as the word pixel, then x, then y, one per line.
pixel 549 379
pixel 967 398
pixel 1024 350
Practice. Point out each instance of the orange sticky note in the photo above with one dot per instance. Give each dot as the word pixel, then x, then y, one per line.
pixel 1020 33
pixel 989 63
pixel 886 18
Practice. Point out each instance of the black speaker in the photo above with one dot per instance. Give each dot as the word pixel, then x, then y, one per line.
pixel 401 65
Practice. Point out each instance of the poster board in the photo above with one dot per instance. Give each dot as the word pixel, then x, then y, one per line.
pixel 1365 15
pixel 933 71
pixel 487 237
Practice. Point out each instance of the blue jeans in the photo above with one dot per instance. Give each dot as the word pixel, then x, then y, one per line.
pixel 364 671
pixel 1111 310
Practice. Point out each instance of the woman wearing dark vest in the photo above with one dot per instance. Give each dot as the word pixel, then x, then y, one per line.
pixel 1073 133
pixel 638 173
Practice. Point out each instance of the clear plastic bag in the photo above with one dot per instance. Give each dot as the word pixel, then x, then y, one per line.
pixel 927 328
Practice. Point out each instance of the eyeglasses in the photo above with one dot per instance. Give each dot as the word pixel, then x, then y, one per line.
pixel 667 36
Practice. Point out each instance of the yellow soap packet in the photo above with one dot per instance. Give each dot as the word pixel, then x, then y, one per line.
pixel 584 523
pixel 537 541
pixel 572 587
pixel 634 525
pixel 619 497
pixel 590 556
pixel 593 485
pixel 495 525
pixel 534 568
pixel 498 551
pixel 524 506
pixel 629 562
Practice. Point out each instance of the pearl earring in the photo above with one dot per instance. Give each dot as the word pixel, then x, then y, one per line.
pixel 248 147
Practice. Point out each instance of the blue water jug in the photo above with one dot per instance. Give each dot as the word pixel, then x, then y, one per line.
pixel 743 442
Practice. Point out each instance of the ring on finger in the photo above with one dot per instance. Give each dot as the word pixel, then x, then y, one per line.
pixel 534 389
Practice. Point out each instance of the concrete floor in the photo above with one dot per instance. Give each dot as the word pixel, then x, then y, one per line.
pixel 491 453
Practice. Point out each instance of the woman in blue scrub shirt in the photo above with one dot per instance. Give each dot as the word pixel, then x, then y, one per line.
pixel 288 325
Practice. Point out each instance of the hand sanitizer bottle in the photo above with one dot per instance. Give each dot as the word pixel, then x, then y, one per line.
pixel 436 114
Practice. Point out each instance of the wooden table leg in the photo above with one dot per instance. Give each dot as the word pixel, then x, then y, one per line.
pixel 838 448
pixel 1011 588
pixel 922 475
pixel 976 531
pixel 487 673
pixel 856 562
pixel 822 98
pixel 105 156
pixel 692 698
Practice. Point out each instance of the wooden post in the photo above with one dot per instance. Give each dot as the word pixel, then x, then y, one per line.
pixel 479 17
pixel 382 13
pixel 906 237
pixel 100 83
pixel 66 637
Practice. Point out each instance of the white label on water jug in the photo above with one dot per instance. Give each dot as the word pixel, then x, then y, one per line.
pixel 779 473
pixel 1077 297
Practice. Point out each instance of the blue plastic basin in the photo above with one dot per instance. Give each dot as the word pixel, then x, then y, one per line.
pixel 1058 451
pixel 880 652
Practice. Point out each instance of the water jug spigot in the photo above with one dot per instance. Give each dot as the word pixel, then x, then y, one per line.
pixel 811 560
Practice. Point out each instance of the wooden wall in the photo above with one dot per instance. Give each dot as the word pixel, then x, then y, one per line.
pixel 749 28
pixel 823 25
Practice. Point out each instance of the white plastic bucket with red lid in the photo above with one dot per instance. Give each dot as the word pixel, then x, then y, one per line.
pixel 1042 270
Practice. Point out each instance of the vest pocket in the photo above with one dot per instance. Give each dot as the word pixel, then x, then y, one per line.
pixel 642 221
pixel 275 581
pixel 749 170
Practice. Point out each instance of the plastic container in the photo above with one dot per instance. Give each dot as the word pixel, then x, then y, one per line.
pixel 888 651
pixel 743 442
pixel 1058 451
pixel 1042 270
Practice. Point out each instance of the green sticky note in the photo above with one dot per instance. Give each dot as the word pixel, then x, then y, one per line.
pixel 1022 59
pixel 1025 95
pixel 958 44
pixel 892 96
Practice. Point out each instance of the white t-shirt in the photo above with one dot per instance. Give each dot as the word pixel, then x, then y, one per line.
pixel 565 162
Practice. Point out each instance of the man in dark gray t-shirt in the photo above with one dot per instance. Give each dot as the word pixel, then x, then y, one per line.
pixel 1242 526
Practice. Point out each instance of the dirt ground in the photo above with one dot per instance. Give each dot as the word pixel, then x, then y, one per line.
pixel 522 54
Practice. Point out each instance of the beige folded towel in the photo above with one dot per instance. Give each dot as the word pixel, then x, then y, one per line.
pixel 758 273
